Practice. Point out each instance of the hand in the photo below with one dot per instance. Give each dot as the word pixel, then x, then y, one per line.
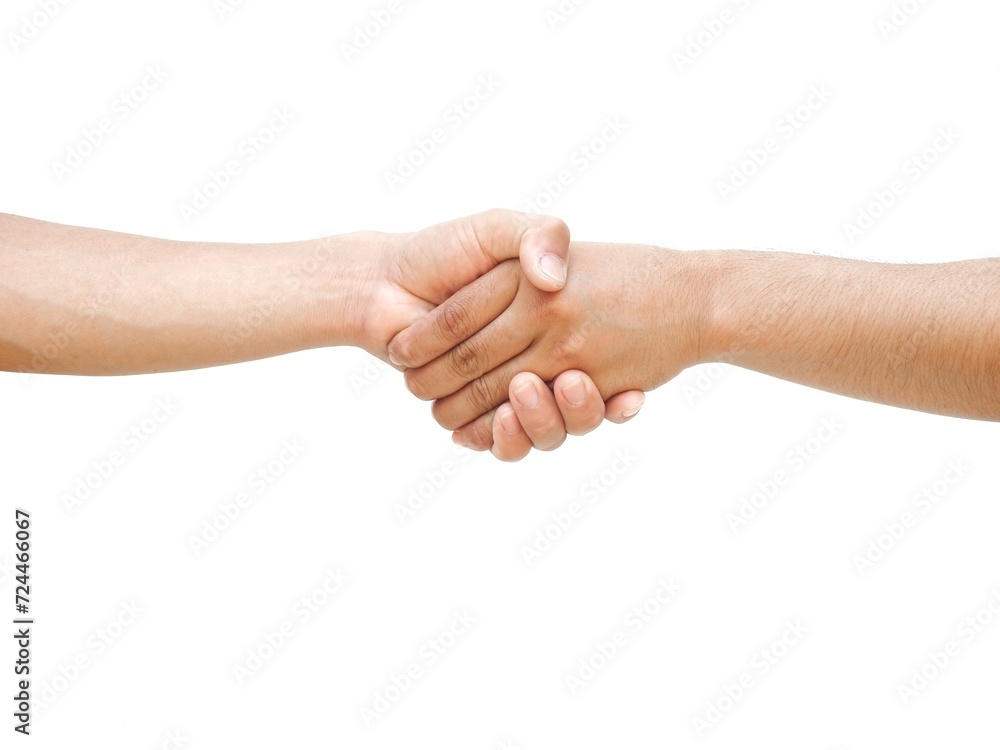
pixel 629 316
pixel 573 407
pixel 414 273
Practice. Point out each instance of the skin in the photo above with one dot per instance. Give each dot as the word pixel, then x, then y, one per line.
pixel 923 337
pixel 91 302
pixel 573 406
pixel 138 304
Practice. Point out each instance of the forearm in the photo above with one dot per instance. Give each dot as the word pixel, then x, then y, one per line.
pixel 925 337
pixel 87 301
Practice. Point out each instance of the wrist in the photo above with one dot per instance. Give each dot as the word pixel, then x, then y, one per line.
pixel 683 287
pixel 706 274
pixel 724 323
pixel 336 278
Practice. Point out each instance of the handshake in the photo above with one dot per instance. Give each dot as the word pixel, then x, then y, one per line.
pixel 519 336
pixel 515 354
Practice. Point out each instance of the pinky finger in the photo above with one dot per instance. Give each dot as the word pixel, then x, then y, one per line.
pixel 623 406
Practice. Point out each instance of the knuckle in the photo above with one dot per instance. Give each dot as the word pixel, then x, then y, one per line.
pixel 465 361
pixel 456 321
pixel 481 395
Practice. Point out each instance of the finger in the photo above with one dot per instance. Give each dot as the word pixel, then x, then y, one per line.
pixel 500 341
pixel 462 315
pixel 510 441
pixel 620 408
pixel 580 404
pixel 478 434
pixel 457 252
pixel 541 242
pixel 481 395
pixel 536 410
pixel 544 253
pixel 623 406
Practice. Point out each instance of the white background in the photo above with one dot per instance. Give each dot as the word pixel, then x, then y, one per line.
pixel 701 444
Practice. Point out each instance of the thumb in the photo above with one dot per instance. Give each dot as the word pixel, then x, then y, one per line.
pixel 544 253
pixel 541 242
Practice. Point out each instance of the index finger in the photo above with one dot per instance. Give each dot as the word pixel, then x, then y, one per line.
pixel 462 315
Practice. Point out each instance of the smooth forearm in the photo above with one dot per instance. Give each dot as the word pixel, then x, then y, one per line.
pixel 925 337
pixel 87 301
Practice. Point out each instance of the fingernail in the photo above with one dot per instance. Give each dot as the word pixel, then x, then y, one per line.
pixel 526 395
pixel 394 362
pixel 508 421
pixel 553 268
pixel 459 439
pixel 574 392
pixel 629 413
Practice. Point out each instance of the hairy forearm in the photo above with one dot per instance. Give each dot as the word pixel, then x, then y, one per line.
pixel 924 337
pixel 87 301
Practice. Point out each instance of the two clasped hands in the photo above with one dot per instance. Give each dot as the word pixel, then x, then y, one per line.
pixel 518 335
pixel 520 354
